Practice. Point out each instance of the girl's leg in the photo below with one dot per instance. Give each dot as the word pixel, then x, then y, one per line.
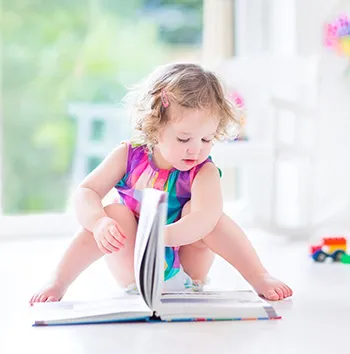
pixel 196 258
pixel 121 263
pixel 229 241
pixel 83 251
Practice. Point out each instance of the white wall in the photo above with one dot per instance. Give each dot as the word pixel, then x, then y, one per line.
pixel 282 30
pixel 332 166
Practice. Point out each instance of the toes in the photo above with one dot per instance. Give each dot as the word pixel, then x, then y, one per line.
pixel 279 291
pixel 43 298
pixel 289 291
pixel 51 299
pixel 35 298
pixel 31 301
pixel 272 295
pixel 285 291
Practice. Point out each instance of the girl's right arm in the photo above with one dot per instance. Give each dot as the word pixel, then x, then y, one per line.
pixel 83 251
pixel 91 191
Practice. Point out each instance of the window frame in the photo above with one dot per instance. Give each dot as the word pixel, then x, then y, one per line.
pixel 14 227
pixel 59 224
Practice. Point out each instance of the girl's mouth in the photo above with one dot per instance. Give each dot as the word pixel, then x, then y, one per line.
pixel 189 161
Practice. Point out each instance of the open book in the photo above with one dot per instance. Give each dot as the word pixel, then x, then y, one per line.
pixel 153 304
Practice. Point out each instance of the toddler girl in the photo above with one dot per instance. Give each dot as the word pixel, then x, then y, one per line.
pixel 179 110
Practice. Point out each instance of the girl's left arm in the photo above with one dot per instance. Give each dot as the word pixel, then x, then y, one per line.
pixel 206 209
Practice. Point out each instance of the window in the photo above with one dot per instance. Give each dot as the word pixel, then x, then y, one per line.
pixel 60 56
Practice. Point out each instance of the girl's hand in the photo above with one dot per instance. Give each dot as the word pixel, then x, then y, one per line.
pixel 108 236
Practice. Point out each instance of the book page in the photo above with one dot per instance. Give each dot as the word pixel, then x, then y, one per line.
pixel 158 282
pixel 215 305
pixel 147 270
pixel 238 296
pixel 119 307
pixel 147 215
pixel 149 233
pixel 155 255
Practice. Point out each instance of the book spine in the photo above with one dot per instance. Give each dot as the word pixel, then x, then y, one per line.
pixel 221 319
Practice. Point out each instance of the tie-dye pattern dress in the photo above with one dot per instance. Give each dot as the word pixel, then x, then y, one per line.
pixel 141 173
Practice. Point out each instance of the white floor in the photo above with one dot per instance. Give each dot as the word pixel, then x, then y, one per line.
pixel 316 320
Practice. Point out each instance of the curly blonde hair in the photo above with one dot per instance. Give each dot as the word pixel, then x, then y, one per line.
pixel 187 85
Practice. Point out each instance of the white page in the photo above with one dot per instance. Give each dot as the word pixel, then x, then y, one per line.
pixel 150 232
pixel 213 304
pixel 154 256
pixel 239 296
pixel 158 281
pixel 72 310
pixel 147 271
pixel 149 204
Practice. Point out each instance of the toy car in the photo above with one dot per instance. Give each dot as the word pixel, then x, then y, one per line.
pixel 331 247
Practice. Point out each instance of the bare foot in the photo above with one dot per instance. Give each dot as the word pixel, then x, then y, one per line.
pixel 270 288
pixel 50 293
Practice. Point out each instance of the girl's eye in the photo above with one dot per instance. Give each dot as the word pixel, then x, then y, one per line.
pixel 206 141
pixel 183 140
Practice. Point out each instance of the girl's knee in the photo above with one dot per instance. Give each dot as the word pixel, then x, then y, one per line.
pixel 118 211
pixel 123 216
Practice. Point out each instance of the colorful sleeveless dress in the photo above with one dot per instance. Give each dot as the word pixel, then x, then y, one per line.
pixel 141 173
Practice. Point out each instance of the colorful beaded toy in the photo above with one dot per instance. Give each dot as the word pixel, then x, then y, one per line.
pixel 337 35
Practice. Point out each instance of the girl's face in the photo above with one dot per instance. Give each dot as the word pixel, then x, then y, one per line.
pixel 187 138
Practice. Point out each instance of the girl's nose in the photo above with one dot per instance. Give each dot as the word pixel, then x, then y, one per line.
pixel 194 150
